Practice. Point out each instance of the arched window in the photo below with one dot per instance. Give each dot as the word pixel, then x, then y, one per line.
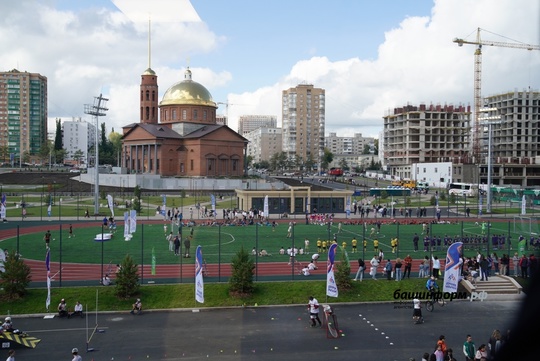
pixel 147 95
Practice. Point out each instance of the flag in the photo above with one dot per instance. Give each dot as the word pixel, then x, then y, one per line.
pixel 452 267
pixel 111 204
pixel 213 201
pixel 2 211
pixel 48 266
pixel 265 210
pixel 126 224
pixel 348 206
pixel 164 205
pixel 523 206
pixel 331 286
pixel 132 221
pixel 4 199
pixel 199 283
pixel 153 262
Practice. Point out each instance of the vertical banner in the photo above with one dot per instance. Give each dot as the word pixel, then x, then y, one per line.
pixel 199 283
pixel 480 205
pixel 265 207
pixel 452 267
pixel 111 204
pixel 213 201
pixel 331 286
pixel 153 262
pixel 348 206
pixel 523 206
pixel 164 205
pixel 48 265
pixel 126 224
pixel 132 221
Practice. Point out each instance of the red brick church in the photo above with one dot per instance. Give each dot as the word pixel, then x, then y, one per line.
pixel 186 141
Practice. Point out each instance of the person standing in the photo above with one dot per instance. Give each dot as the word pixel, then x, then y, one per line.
pixel 76 356
pixel 415 241
pixel 306 246
pixel 47 239
pixel 408 266
pixel 481 353
pixel 177 246
pixel 417 311
pixel 469 349
pixel 354 244
pixel 388 268
pixel 436 266
pixel 515 263
pixel 397 268
pixel 170 240
pixel 313 307
pixel 71 231
pixel 187 245
pixel 374 264
pixel 360 272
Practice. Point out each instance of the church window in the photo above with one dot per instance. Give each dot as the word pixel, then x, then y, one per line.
pixel 191 161
pixel 174 114
pixel 184 114
pixel 195 114
pixel 147 95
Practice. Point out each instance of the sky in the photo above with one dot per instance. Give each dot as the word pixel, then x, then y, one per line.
pixel 369 56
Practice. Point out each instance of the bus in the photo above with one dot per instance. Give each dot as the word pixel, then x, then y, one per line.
pixel 463 189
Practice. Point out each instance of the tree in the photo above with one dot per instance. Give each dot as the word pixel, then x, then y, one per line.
pixel 127 278
pixel 137 202
pixel 343 164
pixel 58 135
pixel 367 149
pixel 376 145
pixel 327 158
pixel 16 276
pixel 115 140
pixel 241 281
pixel 343 272
pixel 78 155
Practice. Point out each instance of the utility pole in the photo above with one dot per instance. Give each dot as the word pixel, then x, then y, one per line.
pixel 97 110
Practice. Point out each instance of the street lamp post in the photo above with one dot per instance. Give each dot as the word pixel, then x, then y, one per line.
pixel 491 120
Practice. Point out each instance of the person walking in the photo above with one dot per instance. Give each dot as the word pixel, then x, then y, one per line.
pixel 313 307
pixel 360 272
pixel 469 350
pixel 187 246
pixel 417 311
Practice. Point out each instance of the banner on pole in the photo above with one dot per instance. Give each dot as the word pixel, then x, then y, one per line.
pixel 153 262
pixel 48 265
pixel 452 267
pixel 199 282
pixel 331 286
pixel 111 204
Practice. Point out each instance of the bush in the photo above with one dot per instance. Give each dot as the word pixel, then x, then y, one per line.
pixel 127 279
pixel 16 276
pixel 241 281
pixel 343 272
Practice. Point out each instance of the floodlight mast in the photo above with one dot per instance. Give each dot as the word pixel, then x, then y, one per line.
pixel 96 110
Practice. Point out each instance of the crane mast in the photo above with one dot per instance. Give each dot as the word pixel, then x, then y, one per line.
pixel 477 127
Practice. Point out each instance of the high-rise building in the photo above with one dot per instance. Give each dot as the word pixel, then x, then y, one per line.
pixel 303 115
pixel 23 114
pixel 349 145
pixel 77 137
pixel 425 134
pixel 248 123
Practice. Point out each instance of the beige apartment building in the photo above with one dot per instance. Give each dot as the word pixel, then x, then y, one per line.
pixel 303 122
pixel 249 123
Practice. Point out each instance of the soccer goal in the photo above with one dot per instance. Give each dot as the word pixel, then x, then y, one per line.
pixel 526 225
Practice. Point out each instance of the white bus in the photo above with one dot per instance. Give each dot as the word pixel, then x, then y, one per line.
pixel 463 189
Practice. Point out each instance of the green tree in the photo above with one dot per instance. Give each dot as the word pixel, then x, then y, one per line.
pixel 327 158
pixel 78 155
pixel 16 276
pixel 343 164
pixel 342 272
pixel 115 140
pixel 367 149
pixel 137 202
pixel 58 135
pixel 241 281
pixel 127 278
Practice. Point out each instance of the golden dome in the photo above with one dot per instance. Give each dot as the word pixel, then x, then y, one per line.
pixel 187 92
pixel 149 71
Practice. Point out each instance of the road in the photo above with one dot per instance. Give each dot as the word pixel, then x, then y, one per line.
pixel 369 332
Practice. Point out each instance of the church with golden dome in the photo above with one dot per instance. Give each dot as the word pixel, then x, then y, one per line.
pixel 179 136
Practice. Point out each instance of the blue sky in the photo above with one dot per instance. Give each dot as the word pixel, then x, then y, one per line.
pixel 369 56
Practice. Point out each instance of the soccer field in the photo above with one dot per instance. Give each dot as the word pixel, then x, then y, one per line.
pixel 220 243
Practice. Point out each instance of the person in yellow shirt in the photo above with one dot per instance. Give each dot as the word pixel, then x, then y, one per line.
pixel 394 244
pixel 354 242
pixel 324 243
pixel 319 245
pixel 364 243
pixel 344 244
pixel 376 245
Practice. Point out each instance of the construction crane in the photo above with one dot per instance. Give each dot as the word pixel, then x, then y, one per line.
pixel 478 79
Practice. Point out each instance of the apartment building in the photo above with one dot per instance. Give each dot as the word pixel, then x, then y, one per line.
pixel 264 143
pixel 77 137
pixel 249 123
pixel 23 114
pixel 426 134
pixel 303 122
pixel 515 132
pixel 349 145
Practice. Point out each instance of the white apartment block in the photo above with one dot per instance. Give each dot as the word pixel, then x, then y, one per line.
pixel 349 145
pixel 263 143
pixel 303 118
pixel 425 134
pixel 77 134
pixel 248 123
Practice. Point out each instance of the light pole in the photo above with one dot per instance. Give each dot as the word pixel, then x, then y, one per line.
pixel 96 110
pixel 491 120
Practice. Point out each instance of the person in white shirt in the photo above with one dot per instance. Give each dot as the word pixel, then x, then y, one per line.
pixel 78 309
pixel 313 307
pixel 436 266
pixel 76 356
pixel 374 264
pixel 311 266
pixel 305 271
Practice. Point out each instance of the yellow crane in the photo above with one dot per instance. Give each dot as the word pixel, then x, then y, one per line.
pixel 478 79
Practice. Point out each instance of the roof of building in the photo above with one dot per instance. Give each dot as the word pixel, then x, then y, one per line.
pixel 187 92
pixel 149 71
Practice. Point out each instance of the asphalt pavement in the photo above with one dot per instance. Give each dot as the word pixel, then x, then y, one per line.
pixel 368 331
